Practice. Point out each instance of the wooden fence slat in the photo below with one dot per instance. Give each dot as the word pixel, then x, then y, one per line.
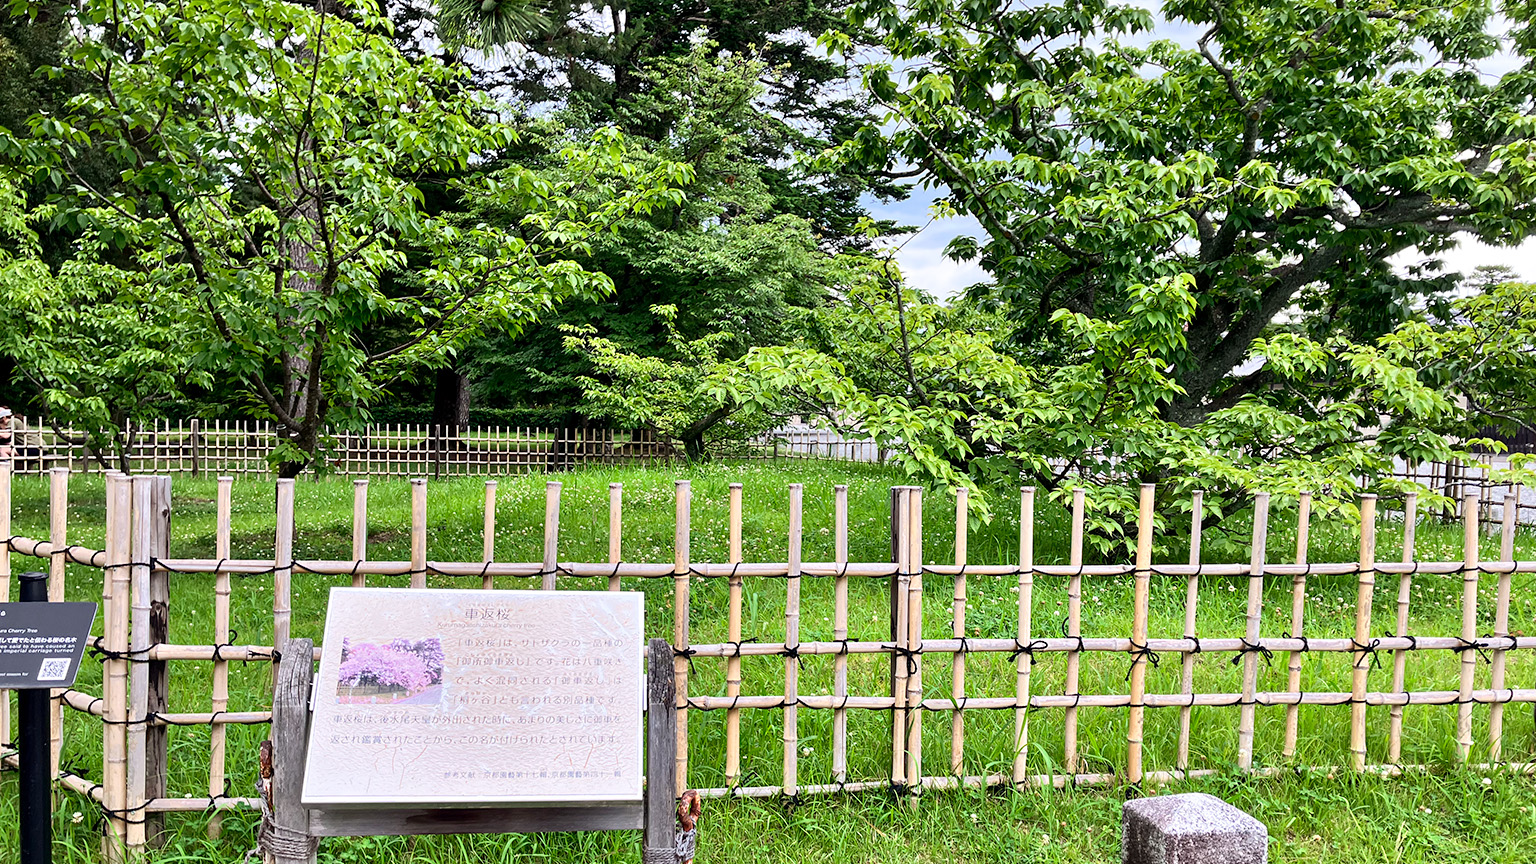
pixel 1400 658
pixel 914 601
pixel 217 734
pixel 116 581
pixel 1253 619
pixel 1471 558
pixel 681 535
pixel 58 521
pixel 792 643
pixel 901 513
pixel 359 528
pixel 488 540
pixel 957 660
pixel 282 573
pixel 418 532
pixel 1191 604
pixel 839 630
pixel 1366 593
pixel 1074 630
pixel 615 532
pixel 139 641
pixel 1298 620
pixel 1142 597
pixel 1025 660
pixel 1501 628
pixel 733 635
pixel 551 533
pixel 156 745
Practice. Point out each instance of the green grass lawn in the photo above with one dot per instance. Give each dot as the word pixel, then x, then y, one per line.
pixel 1448 814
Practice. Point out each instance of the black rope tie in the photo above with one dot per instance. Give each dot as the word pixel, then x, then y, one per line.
pixel 793 652
pixel 1141 653
pixel 1253 648
pixel 687 654
pixel 1066 635
pixel 1368 648
pixel 1030 649
pixel 1305 645
pixel 736 646
pixel 1195 639
pixel 910 654
pixel 1413 641
pixel 1472 645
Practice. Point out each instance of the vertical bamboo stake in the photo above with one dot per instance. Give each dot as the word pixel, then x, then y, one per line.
pixel 5 577
pixel 58 519
pixel 488 541
pixel 957 660
pixel 915 645
pixel 1501 629
pixel 359 528
pixel 1298 621
pixel 792 643
pixel 115 675
pixel 551 532
pixel 1074 629
pixel 902 513
pixel 1469 576
pixel 1025 660
pixel 840 632
pixel 418 532
pixel 139 674
pixel 733 635
pixel 615 531
pixel 1143 591
pixel 220 702
pixel 1400 658
pixel 282 573
pixel 1191 603
pixel 1363 600
pixel 1251 632
pixel 681 536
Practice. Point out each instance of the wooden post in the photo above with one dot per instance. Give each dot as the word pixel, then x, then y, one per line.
pixel 217 737
pixel 957 660
pixel 156 753
pixel 1363 599
pixel 1142 598
pixel 418 532
pixel 1025 659
pixel 902 549
pixel 115 605
pixel 139 641
pixel 660 757
pixel 195 439
pixel 733 635
pixel 551 533
pixel 792 643
pixel 1074 630
pixel 5 578
pixel 58 520
pixel 359 528
pixel 282 573
pixel 1191 603
pixel 683 502
pixel 615 532
pixel 1253 620
pixel 1501 629
pixel 840 633
pixel 1298 622
pixel 488 553
pixel 290 724
pixel 1400 658
pixel 915 644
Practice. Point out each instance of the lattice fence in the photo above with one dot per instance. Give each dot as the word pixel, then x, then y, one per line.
pixel 923 664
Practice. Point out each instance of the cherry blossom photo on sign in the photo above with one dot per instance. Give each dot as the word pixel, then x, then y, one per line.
pixel 399 672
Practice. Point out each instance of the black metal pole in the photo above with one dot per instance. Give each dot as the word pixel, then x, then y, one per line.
pixel 32 750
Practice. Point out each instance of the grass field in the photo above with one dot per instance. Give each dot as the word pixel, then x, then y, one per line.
pixel 1448 814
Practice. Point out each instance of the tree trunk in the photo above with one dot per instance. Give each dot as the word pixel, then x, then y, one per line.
pixel 450 402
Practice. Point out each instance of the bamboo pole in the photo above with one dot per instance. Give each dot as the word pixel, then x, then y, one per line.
pixel 1143 592
pixel 1469 577
pixel 139 641
pixel 733 635
pixel 1500 629
pixel 1025 660
pixel 840 631
pixel 488 541
pixel 902 547
pixel 1251 632
pixel 282 573
pixel 1400 658
pixel 681 536
pixel 1298 620
pixel 615 531
pixel 359 528
pixel 792 643
pixel 551 533
pixel 1074 630
pixel 58 520
pixel 914 600
pixel 115 602
pixel 5 578
pixel 217 737
pixel 1191 603
pixel 1362 653
pixel 957 660
pixel 418 532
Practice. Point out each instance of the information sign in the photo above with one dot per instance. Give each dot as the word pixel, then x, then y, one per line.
pixel 41 643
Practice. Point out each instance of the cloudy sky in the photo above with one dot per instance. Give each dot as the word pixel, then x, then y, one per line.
pixel 921 254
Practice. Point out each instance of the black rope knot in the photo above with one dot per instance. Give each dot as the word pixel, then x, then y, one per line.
pixel 1305 645
pixel 1030 649
pixel 1253 648
pixel 1472 645
pixel 1141 653
pixel 1368 648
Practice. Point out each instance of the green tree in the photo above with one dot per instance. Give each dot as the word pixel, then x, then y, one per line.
pixel 280 212
pixel 1277 160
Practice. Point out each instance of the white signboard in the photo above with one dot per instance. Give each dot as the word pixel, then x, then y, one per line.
pixel 467 698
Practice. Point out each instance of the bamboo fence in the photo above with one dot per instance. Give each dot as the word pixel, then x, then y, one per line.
pixel 138 565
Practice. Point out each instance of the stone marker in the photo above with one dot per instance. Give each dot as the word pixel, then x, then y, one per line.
pixel 1191 828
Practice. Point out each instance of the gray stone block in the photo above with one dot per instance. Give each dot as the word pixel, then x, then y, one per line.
pixel 1190 828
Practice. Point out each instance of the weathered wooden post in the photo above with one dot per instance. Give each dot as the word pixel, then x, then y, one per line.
pixel 285 829
pixel 155 745
pixel 660 756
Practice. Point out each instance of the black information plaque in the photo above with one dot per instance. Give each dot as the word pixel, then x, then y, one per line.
pixel 41 643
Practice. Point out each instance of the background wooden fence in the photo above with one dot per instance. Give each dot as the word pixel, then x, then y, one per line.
pixel 927 673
